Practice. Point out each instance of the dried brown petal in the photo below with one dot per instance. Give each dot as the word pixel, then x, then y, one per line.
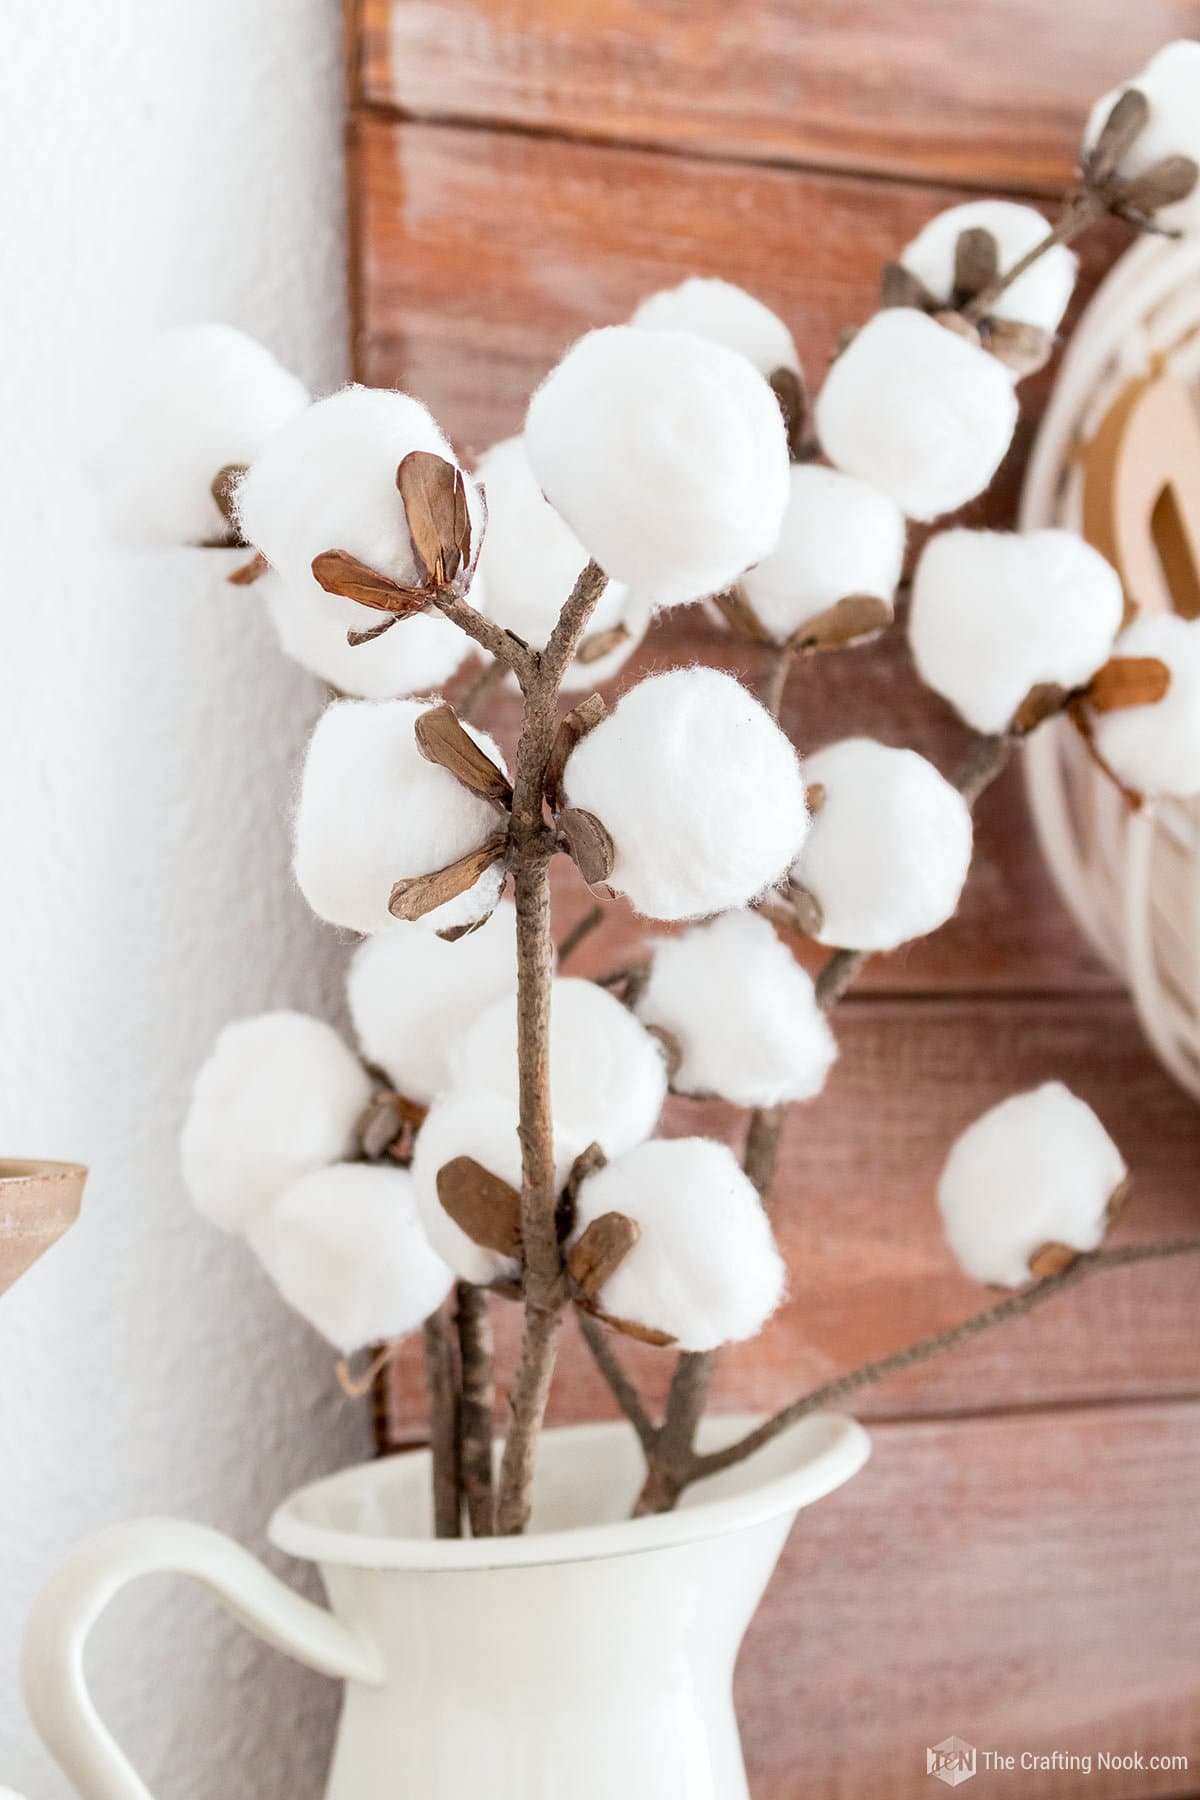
pixel 355 638
pixel 960 326
pixel 1128 681
pixel 443 739
pixel 1118 1199
pixel 413 898
pixel 224 491
pixel 1143 195
pixel 249 572
pixel 1079 716
pixel 487 1208
pixel 340 573
pixel 1123 125
pixel 672 1048
pixel 788 389
pixel 814 794
pixel 600 1251
pixel 900 287
pixel 602 643
pixel 588 1162
pixel 1022 348
pixel 1041 702
pixel 573 727
pixel 806 908
pixel 1051 1259
pixel 740 616
pixel 589 843
pixel 435 504
pixel 976 261
pixel 644 1334
pixel 850 620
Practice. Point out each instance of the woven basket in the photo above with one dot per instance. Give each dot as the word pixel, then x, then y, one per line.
pixel 1131 878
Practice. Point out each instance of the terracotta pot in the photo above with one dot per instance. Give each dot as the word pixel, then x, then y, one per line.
pixel 592 1658
pixel 38 1202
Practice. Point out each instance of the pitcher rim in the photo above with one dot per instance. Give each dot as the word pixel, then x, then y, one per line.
pixel 830 1448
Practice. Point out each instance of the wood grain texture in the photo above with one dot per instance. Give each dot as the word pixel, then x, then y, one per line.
pixel 483 255
pixel 991 93
pixel 1025 1583
pixel 858 1226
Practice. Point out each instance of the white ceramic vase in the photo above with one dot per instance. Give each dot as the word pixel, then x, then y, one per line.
pixel 592 1658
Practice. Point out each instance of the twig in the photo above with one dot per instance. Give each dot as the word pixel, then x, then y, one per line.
pixel 475 1351
pixel 1080 210
pixel 545 1286
pixel 503 645
pixel 927 1348
pixel 624 1392
pixel 582 928
pixel 442 1383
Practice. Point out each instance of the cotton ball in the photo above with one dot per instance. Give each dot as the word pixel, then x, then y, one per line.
pixel 917 411
pixel 666 454
pixel 529 564
pixel 1039 297
pixel 840 537
pixel 414 657
pixel 889 849
pixel 1170 82
pixel 346 1248
pixel 412 995
pixel 327 481
pixel 1156 749
pixel 280 1094
pixel 996 613
pixel 484 1127
pixel 373 811
pixel 199 398
pixel 608 1077
pixel 699 789
pixel 1037 1169
pixel 724 314
pixel 705 1268
pixel 743 1012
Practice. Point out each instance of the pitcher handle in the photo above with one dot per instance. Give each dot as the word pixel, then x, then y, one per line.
pixel 73 1599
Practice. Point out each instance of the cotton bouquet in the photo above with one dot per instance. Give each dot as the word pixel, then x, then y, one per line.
pixel 491 1138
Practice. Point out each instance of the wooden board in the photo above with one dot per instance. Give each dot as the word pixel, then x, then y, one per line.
pixel 988 93
pixel 1024 1582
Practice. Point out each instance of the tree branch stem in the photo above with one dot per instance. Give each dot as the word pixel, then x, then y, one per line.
pixel 442 1384
pixel 475 1354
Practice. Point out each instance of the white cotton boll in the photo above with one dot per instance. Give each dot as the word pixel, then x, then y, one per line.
pixel 1156 749
pixel 665 454
pixel 840 536
pixel 280 1094
pixel 198 399
pixel 482 1126
pixel 1039 297
pixel 530 561
pixel 327 481
pixel 743 1012
pixel 414 657
pixel 373 811
pixel 1171 83
pixel 1037 1169
pixel 705 1268
pixel 699 789
pixel 889 850
pixel 724 314
pixel 346 1248
pixel 918 412
pixel 996 613
pixel 608 1077
pixel 412 995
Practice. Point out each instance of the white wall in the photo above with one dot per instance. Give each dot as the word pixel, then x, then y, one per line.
pixel 160 160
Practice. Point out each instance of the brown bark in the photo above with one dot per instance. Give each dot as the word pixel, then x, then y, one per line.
pixel 442 1384
pixel 475 1405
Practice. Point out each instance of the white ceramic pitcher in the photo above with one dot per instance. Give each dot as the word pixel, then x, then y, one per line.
pixel 592 1658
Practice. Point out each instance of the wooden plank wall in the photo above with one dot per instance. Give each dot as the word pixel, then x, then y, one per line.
pixel 1020 1563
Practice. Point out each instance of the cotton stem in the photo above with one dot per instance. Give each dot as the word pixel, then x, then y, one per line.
pixel 1080 211
pixel 545 1285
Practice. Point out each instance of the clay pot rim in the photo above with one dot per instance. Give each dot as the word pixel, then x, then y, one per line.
pixel 27 1168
